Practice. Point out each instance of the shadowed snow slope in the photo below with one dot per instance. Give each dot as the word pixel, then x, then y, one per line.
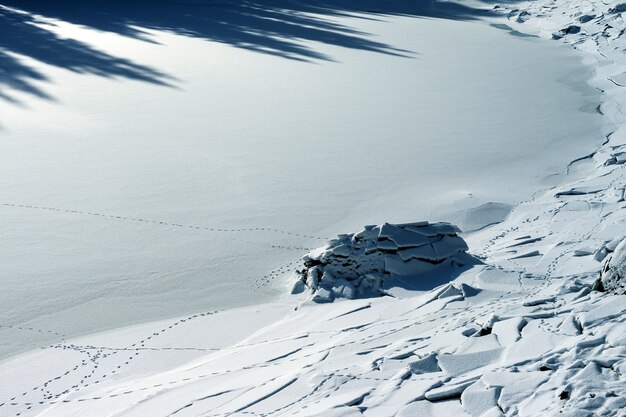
pixel 125 200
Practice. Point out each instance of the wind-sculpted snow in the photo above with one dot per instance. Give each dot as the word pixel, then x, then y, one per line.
pixel 379 258
pixel 493 343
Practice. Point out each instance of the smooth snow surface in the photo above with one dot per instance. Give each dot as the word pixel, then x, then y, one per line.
pixel 175 169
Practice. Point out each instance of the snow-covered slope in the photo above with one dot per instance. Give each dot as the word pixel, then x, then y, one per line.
pixel 525 334
pixel 280 124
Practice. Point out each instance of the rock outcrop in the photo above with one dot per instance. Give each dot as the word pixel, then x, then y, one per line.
pixel 613 275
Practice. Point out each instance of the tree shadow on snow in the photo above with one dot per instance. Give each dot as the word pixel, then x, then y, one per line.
pixel 283 28
pixel 24 37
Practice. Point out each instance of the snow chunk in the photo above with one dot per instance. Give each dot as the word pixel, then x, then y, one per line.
pixel 459 364
pixel 509 331
pixel 478 399
pixel 448 391
pixel 359 264
pixel 606 310
pixel 426 365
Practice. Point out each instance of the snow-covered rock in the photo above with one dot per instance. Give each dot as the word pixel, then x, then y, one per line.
pixel 613 276
pixel 360 263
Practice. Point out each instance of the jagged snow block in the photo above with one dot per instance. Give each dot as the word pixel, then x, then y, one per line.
pixel 358 264
pixel 425 365
pixel 613 276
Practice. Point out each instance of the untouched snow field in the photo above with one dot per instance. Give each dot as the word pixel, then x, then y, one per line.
pixel 171 173
pixel 523 334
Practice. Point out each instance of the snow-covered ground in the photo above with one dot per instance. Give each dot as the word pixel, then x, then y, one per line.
pixel 523 334
pixel 176 168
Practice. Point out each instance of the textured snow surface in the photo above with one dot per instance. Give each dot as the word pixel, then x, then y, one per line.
pixel 519 344
pixel 378 259
pixel 524 334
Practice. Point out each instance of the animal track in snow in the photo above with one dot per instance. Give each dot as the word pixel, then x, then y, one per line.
pixel 164 223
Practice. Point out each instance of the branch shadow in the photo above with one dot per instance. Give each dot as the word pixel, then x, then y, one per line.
pixel 24 36
pixel 282 28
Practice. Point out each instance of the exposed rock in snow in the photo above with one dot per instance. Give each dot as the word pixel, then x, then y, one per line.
pixel 619 8
pixel 585 18
pixel 522 17
pixel 571 29
pixel 613 277
pixel 372 260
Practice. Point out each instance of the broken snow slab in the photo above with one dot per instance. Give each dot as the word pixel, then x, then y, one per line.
pixel 380 259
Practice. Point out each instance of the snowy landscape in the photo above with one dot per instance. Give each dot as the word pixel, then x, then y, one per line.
pixel 296 208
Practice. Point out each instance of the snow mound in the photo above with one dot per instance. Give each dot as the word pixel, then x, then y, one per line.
pixel 368 262
pixel 613 276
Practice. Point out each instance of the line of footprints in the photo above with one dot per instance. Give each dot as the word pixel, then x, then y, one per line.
pixel 94 355
pixel 163 223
